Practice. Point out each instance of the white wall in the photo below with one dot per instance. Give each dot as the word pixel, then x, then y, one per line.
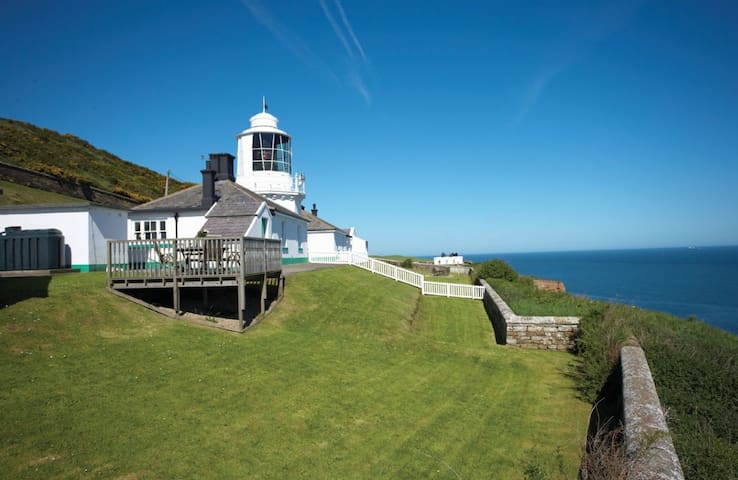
pixel 293 234
pixel 455 260
pixel 321 241
pixel 86 229
pixel 188 224
pixel 74 225
pixel 104 224
pixel 255 229
pixel 359 245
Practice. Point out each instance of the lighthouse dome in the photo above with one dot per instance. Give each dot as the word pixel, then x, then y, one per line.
pixel 263 119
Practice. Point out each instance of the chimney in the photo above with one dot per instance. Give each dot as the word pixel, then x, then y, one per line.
pixel 208 186
pixel 314 211
pixel 222 163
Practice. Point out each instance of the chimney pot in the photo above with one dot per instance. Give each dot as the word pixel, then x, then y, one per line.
pixel 222 163
pixel 314 211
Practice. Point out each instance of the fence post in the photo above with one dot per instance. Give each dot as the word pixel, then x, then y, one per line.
pixel 395 273
pixel 448 289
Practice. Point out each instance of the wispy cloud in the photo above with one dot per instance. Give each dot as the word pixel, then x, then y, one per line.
pixel 289 39
pixel 350 30
pixel 357 62
pixel 593 28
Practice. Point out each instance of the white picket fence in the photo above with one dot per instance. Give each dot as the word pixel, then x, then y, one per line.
pixel 399 274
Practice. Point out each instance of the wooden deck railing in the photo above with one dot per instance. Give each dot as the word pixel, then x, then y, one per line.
pixel 192 257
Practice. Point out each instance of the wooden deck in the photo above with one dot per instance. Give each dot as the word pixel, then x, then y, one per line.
pixel 194 262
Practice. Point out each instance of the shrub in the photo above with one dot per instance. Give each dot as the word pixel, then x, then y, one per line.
pixel 497 269
pixel 407 263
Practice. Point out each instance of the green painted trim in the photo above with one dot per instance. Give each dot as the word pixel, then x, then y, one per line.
pixel 99 267
pixel 294 261
pixel 151 245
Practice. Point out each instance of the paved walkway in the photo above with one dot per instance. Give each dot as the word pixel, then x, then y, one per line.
pixel 288 270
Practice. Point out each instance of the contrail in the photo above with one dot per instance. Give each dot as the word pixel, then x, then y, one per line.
pixel 287 38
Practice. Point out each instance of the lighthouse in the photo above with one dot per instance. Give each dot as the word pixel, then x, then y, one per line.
pixel 265 162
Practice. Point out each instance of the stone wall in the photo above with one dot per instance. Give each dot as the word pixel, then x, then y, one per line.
pixel 551 333
pixel 648 443
pixel 49 183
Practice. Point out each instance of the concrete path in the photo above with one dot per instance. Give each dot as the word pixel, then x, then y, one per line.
pixel 288 270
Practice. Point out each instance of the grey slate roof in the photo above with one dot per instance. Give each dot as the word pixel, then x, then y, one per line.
pixel 228 226
pixel 232 199
pixel 318 224
pixel 232 214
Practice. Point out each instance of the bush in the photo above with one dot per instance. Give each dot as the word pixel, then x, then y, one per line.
pixel 407 263
pixel 497 269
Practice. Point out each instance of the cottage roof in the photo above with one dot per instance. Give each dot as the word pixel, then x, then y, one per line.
pixel 318 224
pixel 232 213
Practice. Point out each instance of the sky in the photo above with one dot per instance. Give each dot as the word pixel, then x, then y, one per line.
pixel 430 126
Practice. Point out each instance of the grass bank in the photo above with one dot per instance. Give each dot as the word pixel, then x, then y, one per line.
pixel 695 369
pixel 525 299
pixel 694 365
pixel 352 376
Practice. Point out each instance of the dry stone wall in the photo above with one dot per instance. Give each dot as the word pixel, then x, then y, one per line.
pixel 550 333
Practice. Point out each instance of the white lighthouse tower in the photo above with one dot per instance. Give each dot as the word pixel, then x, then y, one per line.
pixel 265 162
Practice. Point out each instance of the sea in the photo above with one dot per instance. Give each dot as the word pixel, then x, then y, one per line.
pixel 698 282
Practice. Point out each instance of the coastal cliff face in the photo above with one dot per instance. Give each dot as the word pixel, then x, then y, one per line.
pixel 550 285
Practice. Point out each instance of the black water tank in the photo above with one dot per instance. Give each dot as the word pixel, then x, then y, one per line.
pixel 31 249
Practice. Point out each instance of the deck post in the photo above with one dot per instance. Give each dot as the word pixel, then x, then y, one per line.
pixel 264 291
pixel 175 282
pixel 240 284
pixel 108 274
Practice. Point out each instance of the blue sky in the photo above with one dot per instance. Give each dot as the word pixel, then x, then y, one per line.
pixel 469 126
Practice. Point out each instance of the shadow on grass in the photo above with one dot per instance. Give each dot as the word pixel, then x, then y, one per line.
pixel 221 302
pixel 17 289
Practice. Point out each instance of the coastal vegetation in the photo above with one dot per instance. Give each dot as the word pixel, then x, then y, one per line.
pixel 350 376
pixel 694 365
pixel 70 158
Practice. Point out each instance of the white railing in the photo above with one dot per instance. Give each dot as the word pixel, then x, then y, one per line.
pixel 475 292
pixel 398 274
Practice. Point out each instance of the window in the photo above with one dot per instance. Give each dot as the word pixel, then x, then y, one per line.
pixel 151 229
pixel 271 152
pixel 285 248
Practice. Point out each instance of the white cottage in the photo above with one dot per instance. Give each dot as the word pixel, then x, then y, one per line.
pixel 220 207
pixel 86 228
pixel 325 238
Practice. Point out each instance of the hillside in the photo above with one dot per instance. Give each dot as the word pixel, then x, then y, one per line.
pixel 71 158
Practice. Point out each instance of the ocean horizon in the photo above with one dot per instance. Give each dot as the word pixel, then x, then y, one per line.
pixel 699 282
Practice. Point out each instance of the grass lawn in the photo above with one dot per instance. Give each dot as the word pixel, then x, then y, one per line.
pixel 400 258
pixel 352 376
